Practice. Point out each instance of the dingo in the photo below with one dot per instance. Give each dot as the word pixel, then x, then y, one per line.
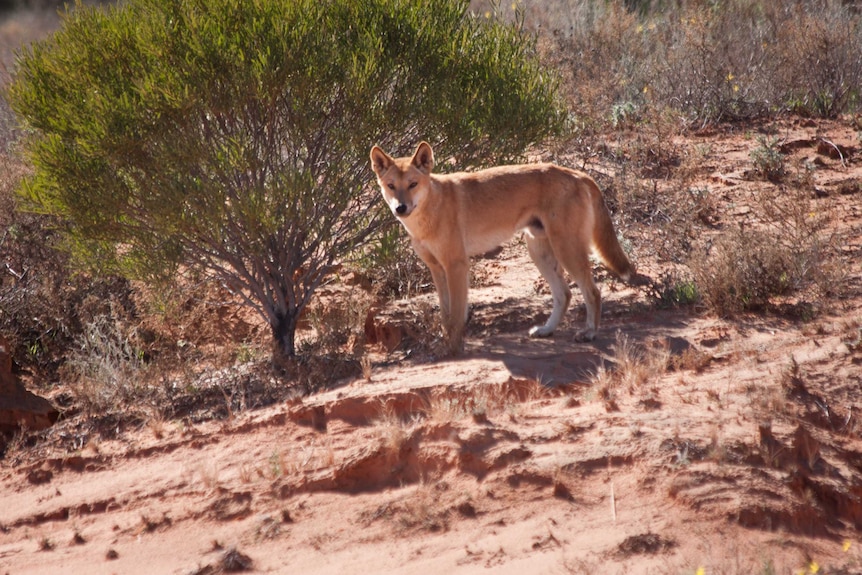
pixel 451 217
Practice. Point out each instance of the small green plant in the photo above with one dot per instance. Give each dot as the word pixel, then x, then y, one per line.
pixel 671 290
pixel 246 353
pixel 276 465
pixel 768 159
pixel 624 114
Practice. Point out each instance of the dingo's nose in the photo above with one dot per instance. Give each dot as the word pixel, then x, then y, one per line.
pixel 401 209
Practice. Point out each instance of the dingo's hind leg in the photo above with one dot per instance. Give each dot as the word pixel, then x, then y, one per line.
pixel 543 256
pixel 576 260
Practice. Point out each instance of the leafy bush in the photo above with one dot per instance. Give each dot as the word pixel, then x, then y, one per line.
pixel 232 137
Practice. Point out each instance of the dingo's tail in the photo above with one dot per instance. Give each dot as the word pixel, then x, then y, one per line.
pixel 605 240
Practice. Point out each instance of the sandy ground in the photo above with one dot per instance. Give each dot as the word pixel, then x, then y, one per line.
pixel 740 453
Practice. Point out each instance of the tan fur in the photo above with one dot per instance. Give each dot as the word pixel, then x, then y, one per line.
pixel 451 217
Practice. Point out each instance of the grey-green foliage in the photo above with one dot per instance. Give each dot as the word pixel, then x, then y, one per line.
pixel 232 136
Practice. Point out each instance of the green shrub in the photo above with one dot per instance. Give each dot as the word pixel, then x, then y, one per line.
pixel 233 137
pixel 673 290
pixel 768 159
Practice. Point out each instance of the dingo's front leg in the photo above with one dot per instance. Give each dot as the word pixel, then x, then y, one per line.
pixel 438 276
pixel 458 279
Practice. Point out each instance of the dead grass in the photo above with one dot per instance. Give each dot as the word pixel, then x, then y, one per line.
pixel 446 407
pixel 394 429
pixel 423 509
pixel 636 364
pixel 339 320
pixel 634 367
pixel 396 270
pixel 709 62
pixel 783 249
pixel 108 368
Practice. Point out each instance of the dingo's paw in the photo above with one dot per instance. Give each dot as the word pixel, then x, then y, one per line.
pixel 541 331
pixel 586 335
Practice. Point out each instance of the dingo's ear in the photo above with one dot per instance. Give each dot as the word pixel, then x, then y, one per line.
pixel 380 160
pixel 423 157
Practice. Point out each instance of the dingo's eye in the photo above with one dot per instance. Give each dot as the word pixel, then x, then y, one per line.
pixel 413 185
pixel 391 186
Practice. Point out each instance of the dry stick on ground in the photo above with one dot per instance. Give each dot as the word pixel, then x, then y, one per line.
pixel 837 149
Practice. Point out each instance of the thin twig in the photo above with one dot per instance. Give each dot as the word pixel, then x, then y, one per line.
pixel 837 149
pixel 14 273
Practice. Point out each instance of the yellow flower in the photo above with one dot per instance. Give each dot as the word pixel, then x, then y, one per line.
pixel 700 571
pixel 730 77
pixel 846 545
pixel 813 567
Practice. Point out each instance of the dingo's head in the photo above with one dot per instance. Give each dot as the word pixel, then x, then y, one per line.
pixel 403 181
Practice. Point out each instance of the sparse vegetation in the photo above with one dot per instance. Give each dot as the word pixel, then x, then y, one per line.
pixel 627 67
pixel 724 155
pixel 108 369
pixel 339 323
pixel 706 61
pixel 784 250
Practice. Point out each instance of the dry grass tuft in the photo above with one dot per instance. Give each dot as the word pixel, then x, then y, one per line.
pixel 394 430
pixel 784 250
pixel 425 509
pixel 108 366
pixel 635 365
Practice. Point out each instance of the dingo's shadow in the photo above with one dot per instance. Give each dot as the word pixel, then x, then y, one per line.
pixel 561 360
